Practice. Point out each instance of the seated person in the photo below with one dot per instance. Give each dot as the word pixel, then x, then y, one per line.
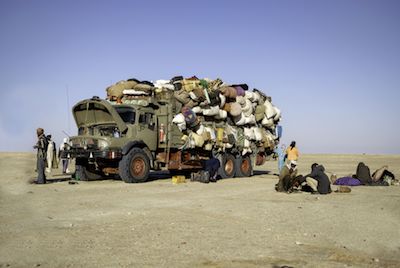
pixel 318 180
pixel 287 177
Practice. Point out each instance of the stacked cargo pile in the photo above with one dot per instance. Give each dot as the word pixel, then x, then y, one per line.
pixel 214 115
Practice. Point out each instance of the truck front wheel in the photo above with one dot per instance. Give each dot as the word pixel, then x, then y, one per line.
pixel 243 166
pixel 228 166
pixel 134 166
pixel 83 171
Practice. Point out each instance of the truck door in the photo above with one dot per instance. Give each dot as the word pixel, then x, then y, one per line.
pixel 147 131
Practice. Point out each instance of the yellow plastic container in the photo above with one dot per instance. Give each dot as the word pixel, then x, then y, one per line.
pixel 178 179
pixel 220 134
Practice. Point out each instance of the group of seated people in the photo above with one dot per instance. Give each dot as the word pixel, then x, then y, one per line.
pixel 318 182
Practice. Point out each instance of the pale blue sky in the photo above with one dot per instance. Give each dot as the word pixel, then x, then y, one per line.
pixel 332 67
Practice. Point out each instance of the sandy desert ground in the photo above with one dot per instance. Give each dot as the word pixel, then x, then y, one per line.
pixel 232 223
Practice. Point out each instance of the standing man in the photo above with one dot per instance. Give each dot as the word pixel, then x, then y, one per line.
pixel 291 152
pixel 41 147
pixel 51 154
pixel 64 157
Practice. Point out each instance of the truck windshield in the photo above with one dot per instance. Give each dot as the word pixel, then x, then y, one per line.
pixel 127 114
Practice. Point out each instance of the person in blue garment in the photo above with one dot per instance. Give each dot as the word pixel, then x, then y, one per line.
pixel 280 151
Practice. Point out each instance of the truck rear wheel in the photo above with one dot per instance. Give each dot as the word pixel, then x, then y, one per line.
pixel 134 166
pixel 228 166
pixel 243 166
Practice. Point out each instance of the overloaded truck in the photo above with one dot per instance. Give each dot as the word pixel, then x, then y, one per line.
pixel 172 124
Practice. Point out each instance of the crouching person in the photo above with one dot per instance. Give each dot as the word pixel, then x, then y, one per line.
pixel 318 180
pixel 210 172
pixel 287 177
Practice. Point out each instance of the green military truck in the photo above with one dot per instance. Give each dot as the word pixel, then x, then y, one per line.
pixel 130 140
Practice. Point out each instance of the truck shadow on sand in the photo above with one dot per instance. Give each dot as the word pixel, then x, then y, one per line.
pixel 153 176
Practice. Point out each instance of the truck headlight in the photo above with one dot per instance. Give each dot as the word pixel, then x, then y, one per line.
pixel 102 144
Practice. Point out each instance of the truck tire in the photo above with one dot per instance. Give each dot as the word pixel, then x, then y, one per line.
pixel 83 174
pixel 134 166
pixel 228 166
pixel 243 166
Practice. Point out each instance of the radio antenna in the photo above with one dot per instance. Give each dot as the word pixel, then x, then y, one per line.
pixel 68 112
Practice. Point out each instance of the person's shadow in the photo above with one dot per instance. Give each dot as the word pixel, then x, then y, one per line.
pixel 53 178
pixel 262 172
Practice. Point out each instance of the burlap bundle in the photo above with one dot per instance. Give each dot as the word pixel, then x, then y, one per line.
pixel 235 109
pixel 249 133
pixel 227 107
pixel 215 84
pixel 267 122
pixel 182 96
pixel 190 84
pixel 199 94
pixel 117 89
pixel 222 114
pixel 259 112
pixel 197 139
pixel 143 87
pixel 239 120
pixel 214 97
pixel 240 91
pixel 229 92
pixel 211 111
pixel 269 109
pixel 247 108
pixel 258 133
pixel 241 100
pixel 277 116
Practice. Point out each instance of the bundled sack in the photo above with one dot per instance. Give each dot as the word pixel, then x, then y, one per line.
pixel 196 140
pixel 267 122
pixel 253 96
pixel 234 109
pixel 241 89
pixel 215 84
pixel 144 86
pixel 268 140
pixel 135 92
pixel 277 116
pixel 190 84
pixel 179 120
pixel 222 114
pixel 211 111
pixel 164 84
pixel 213 97
pixel 229 92
pixel 259 112
pixel 269 109
pixel 258 133
pixel 239 120
pixel 116 91
pixel 247 108
pixel 183 97
pixel 198 94
pixel 211 133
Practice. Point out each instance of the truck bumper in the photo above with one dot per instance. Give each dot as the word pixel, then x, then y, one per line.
pixel 92 153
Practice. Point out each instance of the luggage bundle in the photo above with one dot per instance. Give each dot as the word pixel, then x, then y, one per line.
pixel 216 114
pixel 131 91
pixel 213 114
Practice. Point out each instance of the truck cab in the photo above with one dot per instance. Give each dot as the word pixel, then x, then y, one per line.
pixel 106 133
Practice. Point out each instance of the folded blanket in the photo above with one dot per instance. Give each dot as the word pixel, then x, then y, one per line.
pixel 347 181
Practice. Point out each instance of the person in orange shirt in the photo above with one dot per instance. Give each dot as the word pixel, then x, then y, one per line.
pixel 291 152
